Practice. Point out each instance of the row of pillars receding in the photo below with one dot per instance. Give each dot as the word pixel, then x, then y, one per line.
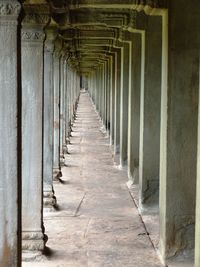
pixel 38 98
pixel 147 94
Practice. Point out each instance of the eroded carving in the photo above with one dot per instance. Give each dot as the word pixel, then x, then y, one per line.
pixel 32 35
pixel 9 8
pixel 36 19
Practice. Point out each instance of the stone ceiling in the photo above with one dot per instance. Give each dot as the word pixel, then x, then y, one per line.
pixel 89 29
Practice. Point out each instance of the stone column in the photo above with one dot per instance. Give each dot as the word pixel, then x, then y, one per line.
pixel 112 97
pixel 67 104
pixel 179 120
pixel 56 146
pixel 197 225
pixel 150 117
pixel 62 62
pixel 48 193
pixel 10 254
pixel 64 144
pixel 70 99
pixel 109 86
pixel 99 89
pixel 117 105
pixel 32 39
pixel 134 110
pixel 125 83
pixel 102 91
pixel 105 93
pixel 95 84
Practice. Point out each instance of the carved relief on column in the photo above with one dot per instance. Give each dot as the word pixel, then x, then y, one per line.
pixel 32 39
pixel 9 10
pixel 9 175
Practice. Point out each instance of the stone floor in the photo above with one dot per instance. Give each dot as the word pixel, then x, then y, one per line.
pixel 97 223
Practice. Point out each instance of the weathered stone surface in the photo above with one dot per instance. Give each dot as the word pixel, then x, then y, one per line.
pixel 9 141
pixel 49 200
pixel 32 125
pixel 56 134
pixel 150 115
pixel 134 110
pixel 124 94
pixel 179 117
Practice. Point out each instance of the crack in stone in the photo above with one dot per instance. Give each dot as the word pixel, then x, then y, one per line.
pixel 79 206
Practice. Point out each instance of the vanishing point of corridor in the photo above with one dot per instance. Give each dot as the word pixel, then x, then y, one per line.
pixel 97 223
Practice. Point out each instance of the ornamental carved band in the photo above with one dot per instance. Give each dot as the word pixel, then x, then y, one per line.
pixel 9 8
pixel 36 19
pixel 32 35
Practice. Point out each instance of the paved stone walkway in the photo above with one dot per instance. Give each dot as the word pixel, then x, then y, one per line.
pixel 97 223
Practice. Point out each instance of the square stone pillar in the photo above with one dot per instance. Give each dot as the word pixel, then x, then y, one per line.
pixel 117 102
pixel 67 122
pixel 64 139
pixel 109 86
pixel 32 41
pixel 197 225
pixel 134 110
pixel 150 116
pixel 125 84
pixel 70 99
pixel 62 116
pixel 10 193
pixel 112 97
pixel 179 120
pixel 102 110
pixel 56 146
pixel 99 90
pixel 104 107
pixel 48 129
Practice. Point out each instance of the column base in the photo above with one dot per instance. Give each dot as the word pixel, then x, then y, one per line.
pixel 68 140
pixel 62 160
pixel 70 131
pixel 116 149
pixel 65 149
pixel 49 200
pixel 56 174
pixel 134 176
pixel 30 256
pixel 130 184
pixel 33 241
pixel 116 159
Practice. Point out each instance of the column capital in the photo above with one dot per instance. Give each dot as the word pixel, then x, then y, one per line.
pixel 36 15
pixel 51 34
pixel 9 10
pixel 35 19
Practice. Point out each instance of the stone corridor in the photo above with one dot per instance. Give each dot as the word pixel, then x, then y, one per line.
pixel 96 222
